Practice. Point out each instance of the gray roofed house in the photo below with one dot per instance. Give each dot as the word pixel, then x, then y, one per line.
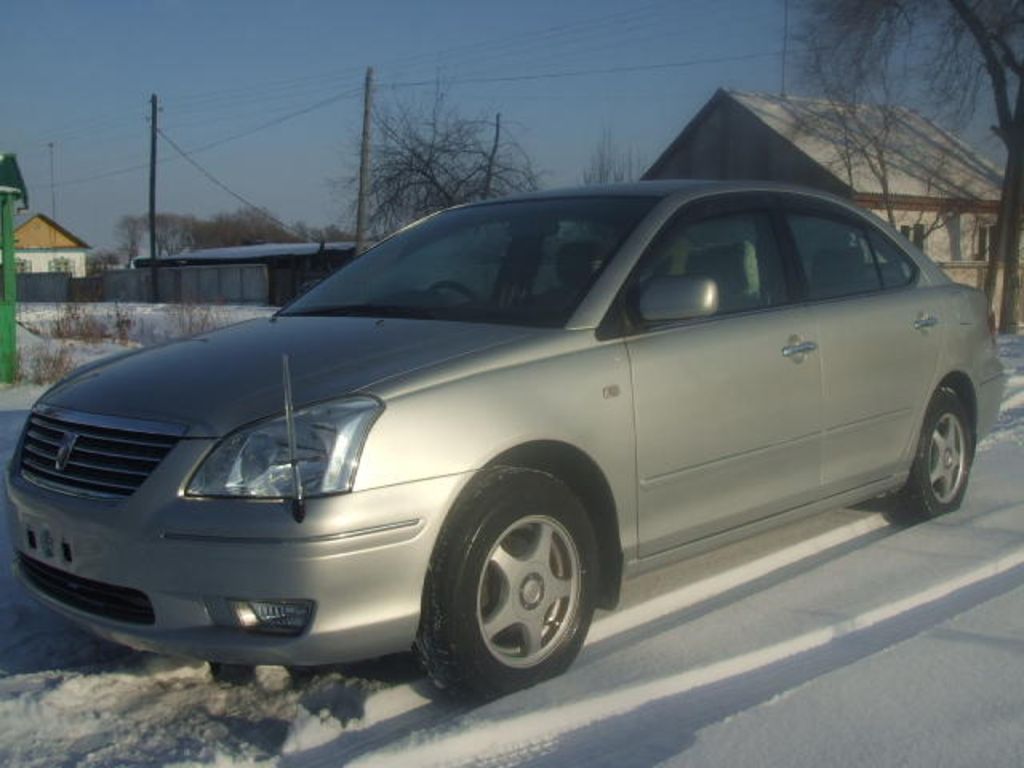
pixel 930 185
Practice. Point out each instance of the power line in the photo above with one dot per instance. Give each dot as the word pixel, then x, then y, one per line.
pixel 530 39
pixel 587 72
pixel 561 38
pixel 320 104
pixel 218 142
pixel 213 179
pixel 278 120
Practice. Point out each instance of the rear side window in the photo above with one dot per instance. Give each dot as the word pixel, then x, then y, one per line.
pixel 836 257
pixel 737 251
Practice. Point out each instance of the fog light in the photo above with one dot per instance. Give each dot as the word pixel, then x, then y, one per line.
pixel 279 617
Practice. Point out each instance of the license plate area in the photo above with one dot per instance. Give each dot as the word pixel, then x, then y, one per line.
pixel 45 542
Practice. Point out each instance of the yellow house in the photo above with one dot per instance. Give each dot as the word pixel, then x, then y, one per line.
pixel 43 245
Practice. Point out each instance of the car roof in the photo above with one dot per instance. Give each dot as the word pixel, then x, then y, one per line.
pixel 663 188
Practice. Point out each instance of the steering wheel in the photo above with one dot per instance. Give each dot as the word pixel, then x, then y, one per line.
pixel 455 287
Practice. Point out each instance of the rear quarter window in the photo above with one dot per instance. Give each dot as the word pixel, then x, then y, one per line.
pixel 895 267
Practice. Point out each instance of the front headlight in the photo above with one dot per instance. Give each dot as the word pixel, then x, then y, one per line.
pixel 255 461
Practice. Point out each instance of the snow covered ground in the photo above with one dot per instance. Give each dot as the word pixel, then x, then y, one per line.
pixel 839 641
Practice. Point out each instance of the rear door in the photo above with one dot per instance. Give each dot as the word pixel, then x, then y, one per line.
pixel 879 338
pixel 727 413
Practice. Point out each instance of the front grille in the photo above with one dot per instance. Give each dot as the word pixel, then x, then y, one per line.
pixel 85 458
pixel 94 597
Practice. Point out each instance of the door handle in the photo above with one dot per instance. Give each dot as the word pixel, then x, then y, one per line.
pixel 802 348
pixel 925 321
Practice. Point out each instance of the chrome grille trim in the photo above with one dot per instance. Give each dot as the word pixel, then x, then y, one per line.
pixel 109 458
pixel 111 422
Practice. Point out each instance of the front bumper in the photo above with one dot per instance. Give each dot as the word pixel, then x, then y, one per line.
pixel 361 557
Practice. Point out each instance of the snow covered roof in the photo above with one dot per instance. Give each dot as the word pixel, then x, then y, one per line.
pixel 262 251
pixel 922 159
pixel 11 181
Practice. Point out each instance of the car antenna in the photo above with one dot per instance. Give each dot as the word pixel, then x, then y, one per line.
pixel 298 503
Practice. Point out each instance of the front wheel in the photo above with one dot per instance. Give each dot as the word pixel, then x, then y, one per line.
pixel 942 464
pixel 510 592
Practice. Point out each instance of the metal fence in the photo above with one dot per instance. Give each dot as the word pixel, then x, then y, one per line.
pixel 48 286
pixel 229 284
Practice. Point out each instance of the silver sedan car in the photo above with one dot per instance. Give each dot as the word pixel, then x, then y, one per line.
pixel 465 440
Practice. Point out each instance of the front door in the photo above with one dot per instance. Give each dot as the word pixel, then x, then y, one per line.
pixel 728 407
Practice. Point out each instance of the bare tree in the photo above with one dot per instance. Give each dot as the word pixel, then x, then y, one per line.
pixel 101 260
pixel 129 233
pixel 174 233
pixel 330 233
pixel 609 163
pixel 429 158
pixel 965 49
pixel 245 226
pixel 875 146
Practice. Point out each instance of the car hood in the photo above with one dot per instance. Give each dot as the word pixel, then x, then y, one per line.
pixel 216 382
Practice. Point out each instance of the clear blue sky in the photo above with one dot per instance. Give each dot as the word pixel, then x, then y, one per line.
pixel 79 74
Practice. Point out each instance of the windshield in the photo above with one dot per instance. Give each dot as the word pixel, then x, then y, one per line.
pixel 527 263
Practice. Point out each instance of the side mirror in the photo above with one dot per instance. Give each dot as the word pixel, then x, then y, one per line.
pixel 667 298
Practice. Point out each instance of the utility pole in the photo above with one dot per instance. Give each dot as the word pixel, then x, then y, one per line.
pixel 494 153
pixel 155 290
pixel 53 187
pixel 364 165
pixel 785 43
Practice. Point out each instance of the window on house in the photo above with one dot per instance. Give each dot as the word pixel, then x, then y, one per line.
pixel 919 236
pixel 23 265
pixel 60 264
pixel 905 230
pixel 986 242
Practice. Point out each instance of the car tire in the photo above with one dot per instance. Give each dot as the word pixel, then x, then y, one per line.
pixel 942 464
pixel 509 595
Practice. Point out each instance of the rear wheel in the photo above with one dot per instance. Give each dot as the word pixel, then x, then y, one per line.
pixel 942 464
pixel 510 592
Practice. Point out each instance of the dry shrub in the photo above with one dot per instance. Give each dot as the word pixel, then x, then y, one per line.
pixel 73 322
pixel 44 365
pixel 190 319
pixel 123 324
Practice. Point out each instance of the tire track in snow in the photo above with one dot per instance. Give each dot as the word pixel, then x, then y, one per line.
pixel 524 736
pixel 425 714
pixel 714 586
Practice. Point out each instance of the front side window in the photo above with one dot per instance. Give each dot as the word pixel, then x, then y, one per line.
pixel 737 251
pixel 527 262
pixel 836 257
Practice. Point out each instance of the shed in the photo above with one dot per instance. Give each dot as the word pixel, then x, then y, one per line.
pixel 926 181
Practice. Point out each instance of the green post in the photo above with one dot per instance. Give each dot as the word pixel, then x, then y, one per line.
pixel 8 334
pixel 12 189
